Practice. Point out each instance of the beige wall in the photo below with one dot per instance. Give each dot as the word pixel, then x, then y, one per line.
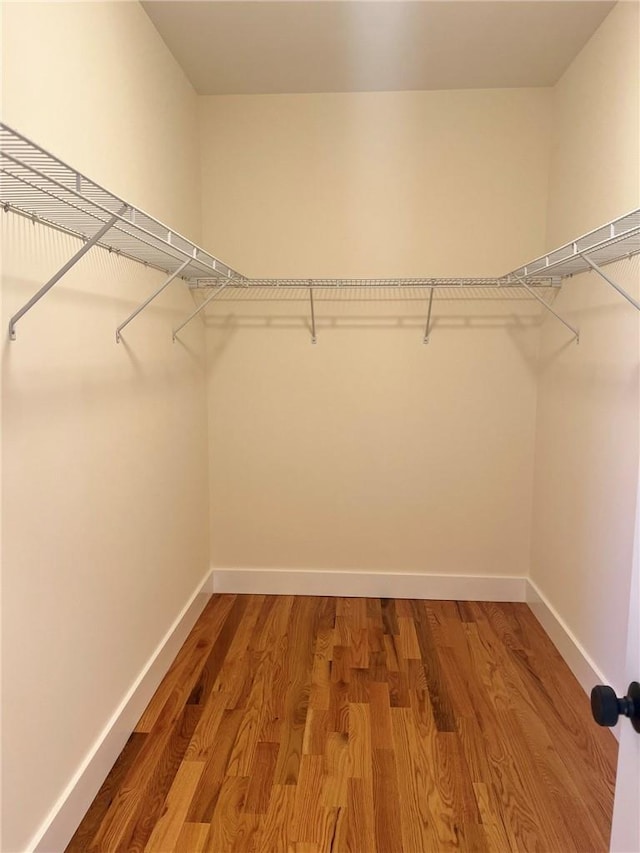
pixel 586 459
pixel 595 160
pixel 376 184
pixel 104 446
pixel 371 451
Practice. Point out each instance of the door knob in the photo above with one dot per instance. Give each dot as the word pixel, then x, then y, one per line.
pixel 607 708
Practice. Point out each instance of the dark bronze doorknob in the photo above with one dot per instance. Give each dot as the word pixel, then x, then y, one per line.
pixel 607 708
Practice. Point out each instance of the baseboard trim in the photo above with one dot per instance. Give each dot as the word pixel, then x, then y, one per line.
pixel 571 650
pixel 370 584
pixel 62 821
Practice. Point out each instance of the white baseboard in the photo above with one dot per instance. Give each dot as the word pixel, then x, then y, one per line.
pixel 573 653
pixel 62 821
pixel 370 584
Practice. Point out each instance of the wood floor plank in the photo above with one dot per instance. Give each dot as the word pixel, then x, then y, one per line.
pixel 360 755
pixel 237 657
pixel 261 778
pixel 130 818
pixel 337 770
pixel 206 796
pixel 162 778
pixel 168 828
pixel 300 659
pixel 436 684
pixel 188 663
pixel 215 660
pixel 309 809
pixel 420 798
pixel 386 803
pixel 85 833
pixel 227 815
pixel 291 725
pixel 192 838
pixel 381 731
pixel 276 834
pixel 203 739
pixel 360 817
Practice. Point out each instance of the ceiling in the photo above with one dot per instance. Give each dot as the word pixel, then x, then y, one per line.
pixel 265 47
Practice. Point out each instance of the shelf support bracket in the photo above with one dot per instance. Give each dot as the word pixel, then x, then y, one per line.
pixel 62 271
pixel 199 308
pixel 313 318
pixel 427 329
pixel 610 281
pixel 140 308
pixel 575 331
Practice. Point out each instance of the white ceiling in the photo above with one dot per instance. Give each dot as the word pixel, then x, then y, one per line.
pixel 241 47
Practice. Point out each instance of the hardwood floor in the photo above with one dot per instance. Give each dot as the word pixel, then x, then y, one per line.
pixel 342 724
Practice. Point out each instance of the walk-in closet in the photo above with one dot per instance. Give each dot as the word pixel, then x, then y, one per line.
pixel 320 426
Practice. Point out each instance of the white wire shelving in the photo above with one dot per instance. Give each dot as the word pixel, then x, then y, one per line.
pixel 43 188
pixel 38 185
pixel 611 242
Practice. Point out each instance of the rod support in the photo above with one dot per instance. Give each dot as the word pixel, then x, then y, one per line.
pixel 199 309
pixel 427 328
pixel 314 339
pixel 575 331
pixel 610 281
pixel 89 243
pixel 141 307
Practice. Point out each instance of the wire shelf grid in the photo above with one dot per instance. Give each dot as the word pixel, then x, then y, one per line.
pixel 38 185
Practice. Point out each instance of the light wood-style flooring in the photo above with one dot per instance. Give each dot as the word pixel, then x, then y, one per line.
pixel 305 725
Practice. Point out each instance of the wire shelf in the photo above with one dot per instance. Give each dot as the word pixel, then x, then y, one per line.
pixel 272 285
pixel 35 184
pixel 614 241
pixel 38 185
pixel 611 242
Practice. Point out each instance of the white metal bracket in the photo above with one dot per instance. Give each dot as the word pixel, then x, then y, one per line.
pixel 199 308
pixel 547 306
pixel 313 318
pixel 140 308
pixel 427 328
pixel 61 272
pixel 610 281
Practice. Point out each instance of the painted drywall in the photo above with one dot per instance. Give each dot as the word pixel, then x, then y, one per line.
pixel 370 450
pixel 104 509
pixel 595 156
pixel 376 184
pixel 586 459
